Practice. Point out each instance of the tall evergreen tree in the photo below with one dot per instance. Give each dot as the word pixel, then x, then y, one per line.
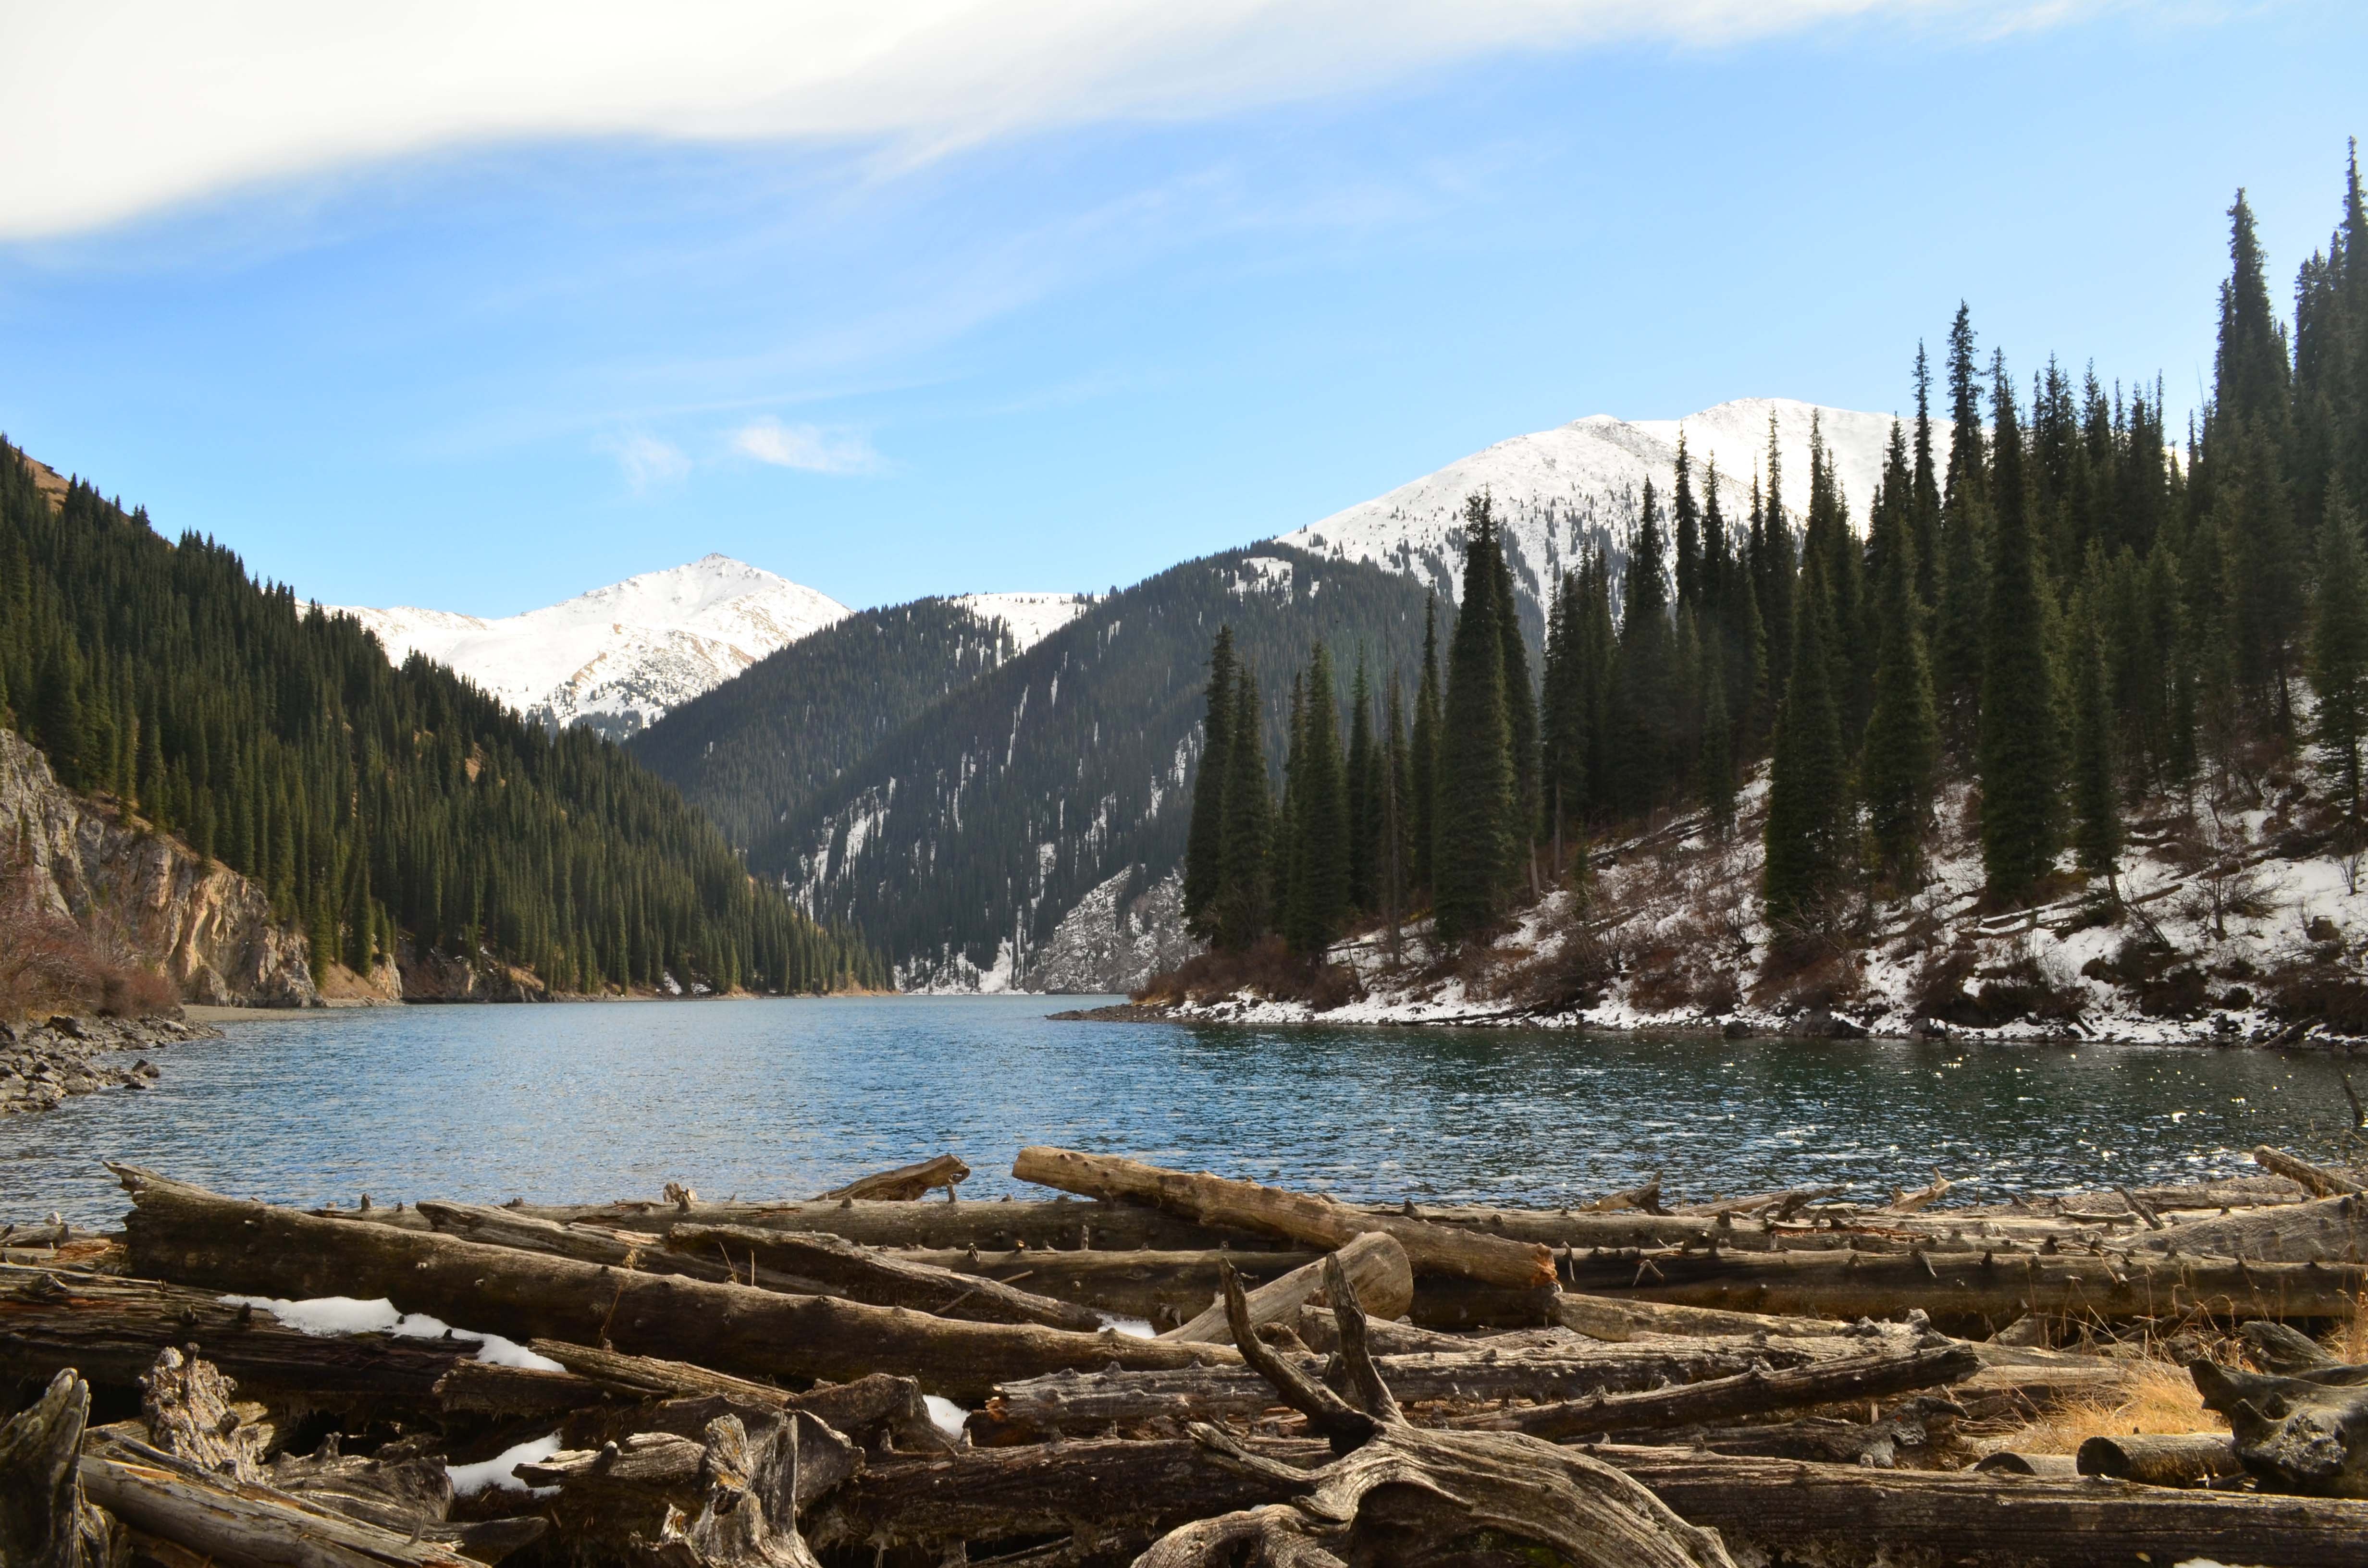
pixel 1242 908
pixel 2338 650
pixel 2250 374
pixel 1396 774
pixel 1318 907
pixel 1903 732
pixel 2095 791
pixel 2019 760
pixel 1644 689
pixel 1807 849
pixel 1477 826
pixel 1520 715
pixel 1204 841
pixel 1365 797
pixel 1925 497
pixel 1688 521
pixel 1422 754
pixel 58 716
pixel 1716 765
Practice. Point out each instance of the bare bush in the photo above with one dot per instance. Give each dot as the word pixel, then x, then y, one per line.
pixel 47 963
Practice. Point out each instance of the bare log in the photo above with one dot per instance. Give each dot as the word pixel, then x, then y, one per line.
pixel 1062 1223
pixel 2287 1352
pixel 2322 1181
pixel 186 1403
pixel 863 1409
pixel 2181 1459
pixel 2326 1230
pixel 186 1233
pixel 2306 1434
pixel 1922 1198
pixel 45 1521
pixel 639 1252
pixel 1619 1319
pixel 904 1183
pixel 1646 1196
pixel 1752 1392
pixel 1243 1205
pixel 837 1267
pixel 1965 1288
pixel 1776 1205
pixel 1376 1266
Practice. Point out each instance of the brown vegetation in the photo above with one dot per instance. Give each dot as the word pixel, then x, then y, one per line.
pixel 49 964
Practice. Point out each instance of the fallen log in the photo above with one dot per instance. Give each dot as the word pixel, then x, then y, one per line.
pixel 2287 1352
pixel 731 1495
pixel 186 1233
pixel 1776 1205
pixel 638 1252
pixel 1922 1198
pixel 2305 1434
pixel 1065 1223
pixel 834 1266
pixel 2326 1229
pixel 111 1330
pixel 1401 1492
pixel 403 1487
pixel 1975 1288
pixel 1826 1440
pixel 2184 1459
pixel 1376 1266
pixel 1646 1196
pixel 904 1184
pixel 863 1409
pixel 1242 1205
pixel 1618 1320
pixel 1093 1402
pixel 187 1404
pixel 1752 1392
pixel 45 1521
pixel 2322 1181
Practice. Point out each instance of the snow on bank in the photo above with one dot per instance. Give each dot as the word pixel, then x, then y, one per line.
pixel 331 1316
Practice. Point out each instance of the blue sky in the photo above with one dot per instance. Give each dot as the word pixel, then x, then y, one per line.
pixel 1142 314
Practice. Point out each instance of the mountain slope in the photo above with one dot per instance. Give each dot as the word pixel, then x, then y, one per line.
pixel 1560 492
pixel 964 839
pixel 618 657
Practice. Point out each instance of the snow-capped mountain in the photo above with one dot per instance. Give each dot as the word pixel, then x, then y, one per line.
pixel 1029 617
pixel 1559 492
pixel 618 657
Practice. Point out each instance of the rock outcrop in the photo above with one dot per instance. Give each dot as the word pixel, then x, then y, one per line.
pixel 145 897
pixel 40 1064
pixel 1118 937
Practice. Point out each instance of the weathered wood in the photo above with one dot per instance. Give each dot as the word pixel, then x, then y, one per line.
pixel 1065 1223
pixel 113 1329
pixel 186 1233
pixel 484 1388
pixel 1922 1198
pixel 1415 1496
pixel 243 1524
pixel 1970 1288
pixel 1776 1205
pixel 2322 1181
pixel 637 1251
pixel 45 1521
pixel 1826 1440
pixel 1646 1196
pixel 837 1267
pixel 187 1404
pixel 403 1487
pixel 1092 1402
pixel 863 1409
pixel 2287 1352
pixel 1376 1265
pixel 2184 1459
pixel 729 1496
pixel 904 1184
pixel 1243 1205
pixel 1320 1332
pixel 2326 1229
pixel 2013 1461
pixel 1618 1320
pixel 2306 1434
pixel 1752 1392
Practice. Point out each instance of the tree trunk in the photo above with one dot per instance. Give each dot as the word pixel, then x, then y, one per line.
pixel 1647 1198
pixel 2182 1459
pixel 1751 1393
pixel 1062 1223
pixel 1618 1320
pixel 230 1243
pixel 863 1409
pixel 837 1266
pixel 2321 1181
pixel 1376 1265
pixel 2326 1229
pixel 45 1521
pixel 187 1404
pixel 2307 1434
pixel 904 1184
pixel 1214 1200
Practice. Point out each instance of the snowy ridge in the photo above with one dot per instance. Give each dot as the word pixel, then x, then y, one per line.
pixel 1029 617
pixel 1560 491
pixel 618 657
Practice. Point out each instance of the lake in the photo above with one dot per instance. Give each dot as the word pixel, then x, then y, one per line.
pixel 786 1097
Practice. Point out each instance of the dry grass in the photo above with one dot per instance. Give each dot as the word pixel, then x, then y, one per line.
pixel 2156 1396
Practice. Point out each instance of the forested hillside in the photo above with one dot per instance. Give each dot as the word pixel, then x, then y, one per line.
pixel 377 808
pixel 2060 645
pixel 754 752
pixel 960 842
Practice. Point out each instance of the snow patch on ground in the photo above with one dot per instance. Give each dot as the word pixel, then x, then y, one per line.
pixel 468 1479
pixel 329 1317
pixel 1029 617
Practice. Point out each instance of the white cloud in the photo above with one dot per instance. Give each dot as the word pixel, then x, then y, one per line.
pixel 111 108
pixel 804 447
pixel 648 462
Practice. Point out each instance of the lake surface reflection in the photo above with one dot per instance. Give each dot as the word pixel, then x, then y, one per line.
pixel 771 1098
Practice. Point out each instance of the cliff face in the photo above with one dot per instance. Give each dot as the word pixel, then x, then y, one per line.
pixel 1118 937
pixel 145 896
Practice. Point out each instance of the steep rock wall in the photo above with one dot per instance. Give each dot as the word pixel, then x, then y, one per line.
pixel 207 928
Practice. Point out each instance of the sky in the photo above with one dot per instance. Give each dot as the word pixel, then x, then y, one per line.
pixel 479 308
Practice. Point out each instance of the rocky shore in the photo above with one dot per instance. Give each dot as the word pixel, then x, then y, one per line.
pixel 41 1063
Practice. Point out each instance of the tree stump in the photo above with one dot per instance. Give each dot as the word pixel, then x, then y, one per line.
pixel 45 1522
pixel 2306 1434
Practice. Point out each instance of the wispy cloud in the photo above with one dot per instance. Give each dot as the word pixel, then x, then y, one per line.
pixel 647 461
pixel 805 446
pixel 112 108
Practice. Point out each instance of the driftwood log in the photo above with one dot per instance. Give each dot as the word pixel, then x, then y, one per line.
pixel 1405 1493
pixel 2326 1229
pixel 189 1233
pixel 866 1410
pixel 1619 1319
pixel 834 1266
pixel 1318 1221
pixel 2305 1434
pixel 2321 1180
pixel 1062 1223
pixel 1646 1196
pixel 1376 1264
pixel 45 1521
pixel 2178 1458
pixel 187 1404
pixel 904 1184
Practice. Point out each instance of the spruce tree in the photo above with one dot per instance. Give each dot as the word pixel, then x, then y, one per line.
pixel 1689 530
pixel 2095 795
pixel 1520 715
pixel 1476 834
pixel 2019 761
pixel 1204 840
pixel 1422 756
pixel 1397 790
pixel 1716 765
pixel 1561 720
pixel 1925 497
pixel 1903 732
pixel 1643 688
pixel 1364 797
pixel 2338 650
pixel 58 717
pixel 1241 909
pixel 1807 847
pixel 2250 377
pixel 1318 907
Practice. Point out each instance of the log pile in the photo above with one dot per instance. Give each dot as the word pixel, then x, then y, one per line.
pixel 874 1376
